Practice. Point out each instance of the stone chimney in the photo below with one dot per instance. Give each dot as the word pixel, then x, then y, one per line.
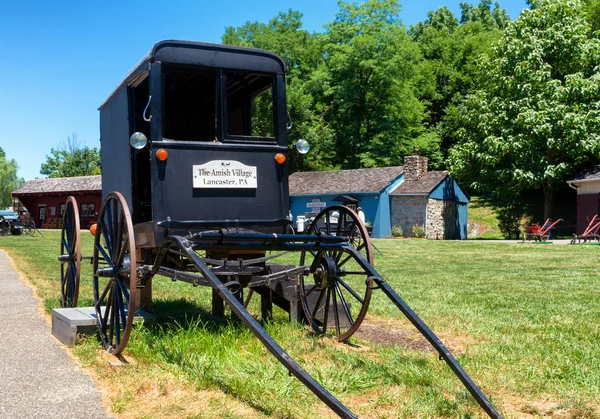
pixel 415 166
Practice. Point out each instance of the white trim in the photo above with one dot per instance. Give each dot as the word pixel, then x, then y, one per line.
pixel 583 180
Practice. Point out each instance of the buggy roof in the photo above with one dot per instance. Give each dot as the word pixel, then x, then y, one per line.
pixel 202 54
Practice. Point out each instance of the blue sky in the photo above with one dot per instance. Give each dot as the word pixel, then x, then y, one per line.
pixel 61 58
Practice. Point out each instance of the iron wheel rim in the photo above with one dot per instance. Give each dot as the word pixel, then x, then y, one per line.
pixel 115 288
pixel 70 245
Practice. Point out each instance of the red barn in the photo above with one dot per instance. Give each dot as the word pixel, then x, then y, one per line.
pixel 45 199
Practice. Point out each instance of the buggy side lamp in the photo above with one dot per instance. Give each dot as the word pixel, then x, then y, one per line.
pixel 280 158
pixel 302 146
pixel 93 229
pixel 138 140
pixel 162 154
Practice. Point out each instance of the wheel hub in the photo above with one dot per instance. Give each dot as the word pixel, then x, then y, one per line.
pixel 326 272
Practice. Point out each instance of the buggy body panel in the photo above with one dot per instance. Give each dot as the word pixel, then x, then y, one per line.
pixel 204 104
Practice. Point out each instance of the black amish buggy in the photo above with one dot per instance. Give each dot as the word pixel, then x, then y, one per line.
pixel 195 185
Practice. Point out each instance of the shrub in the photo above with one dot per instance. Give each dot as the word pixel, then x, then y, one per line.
pixel 509 220
pixel 397 231
pixel 418 231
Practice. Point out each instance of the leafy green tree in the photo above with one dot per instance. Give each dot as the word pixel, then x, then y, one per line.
pixel 497 18
pixel 302 53
pixel 72 159
pixel 9 181
pixel 593 14
pixel 536 117
pixel 366 85
pixel 451 51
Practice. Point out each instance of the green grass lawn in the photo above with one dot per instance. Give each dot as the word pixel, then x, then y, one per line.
pixel 523 320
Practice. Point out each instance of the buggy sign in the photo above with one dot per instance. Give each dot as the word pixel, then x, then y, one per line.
pixel 224 174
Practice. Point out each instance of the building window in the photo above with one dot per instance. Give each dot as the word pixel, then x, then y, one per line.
pixel 88 210
pixel 62 209
pixel 52 211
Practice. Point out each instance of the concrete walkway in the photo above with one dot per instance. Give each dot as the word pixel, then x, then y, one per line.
pixel 37 377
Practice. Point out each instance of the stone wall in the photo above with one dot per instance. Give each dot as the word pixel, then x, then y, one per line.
pixel 408 211
pixel 441 219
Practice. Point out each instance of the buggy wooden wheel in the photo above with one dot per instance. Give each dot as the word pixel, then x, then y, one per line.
pixel 70 254
pixel 114 273
pixel 29 226
pixel 335 295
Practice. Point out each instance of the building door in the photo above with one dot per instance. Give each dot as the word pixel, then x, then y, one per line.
pixel 42 216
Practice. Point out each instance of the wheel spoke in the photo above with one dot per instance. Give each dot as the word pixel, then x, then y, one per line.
pixel 121 255
pixel 336 314
pixel 105 235
pixel 66 247
pixel 123 288
pixel 351 291
pixel 316 309
pixel 105 291
pixel 310 291
pixel 343 262
pixel 107 310
pixel 111 325
pixel 110 224
pixel 104 255
pixel 122 311
pixel 326 314
pixel 119 245
pixel 344 304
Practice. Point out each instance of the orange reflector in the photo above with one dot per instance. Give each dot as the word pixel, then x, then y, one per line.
pixel 93 229
pixel 280 158
pixel 161 154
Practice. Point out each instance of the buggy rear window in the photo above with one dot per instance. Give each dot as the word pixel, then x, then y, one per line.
pixel 190 105
pixel 250 111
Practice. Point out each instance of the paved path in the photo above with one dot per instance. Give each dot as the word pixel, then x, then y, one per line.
pixel 37 378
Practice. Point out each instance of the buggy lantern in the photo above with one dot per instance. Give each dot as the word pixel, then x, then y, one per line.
pixel 302 146
pixel 138 140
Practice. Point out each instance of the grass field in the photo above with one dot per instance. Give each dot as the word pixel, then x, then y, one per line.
pixel 523 320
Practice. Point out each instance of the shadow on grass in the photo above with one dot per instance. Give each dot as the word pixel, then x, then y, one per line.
pixel 183 311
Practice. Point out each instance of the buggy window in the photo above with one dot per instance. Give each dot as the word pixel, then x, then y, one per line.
pixel 190 104
pixel 249 99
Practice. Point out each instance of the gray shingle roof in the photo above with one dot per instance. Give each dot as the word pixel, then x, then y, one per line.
pixel 424 185
pixel 343 181
pixel 590 174
pixel 61 184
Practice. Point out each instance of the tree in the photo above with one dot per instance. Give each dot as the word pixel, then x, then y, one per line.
pixel 497 18
pixel 72 159
pixel 366 85
pixel 302 53
pixel 9 181
pixel 451 51
pixel 536 117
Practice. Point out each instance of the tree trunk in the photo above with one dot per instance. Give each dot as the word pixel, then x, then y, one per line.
pixel 548 198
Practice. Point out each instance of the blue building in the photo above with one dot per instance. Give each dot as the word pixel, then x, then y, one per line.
pixel 401 196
